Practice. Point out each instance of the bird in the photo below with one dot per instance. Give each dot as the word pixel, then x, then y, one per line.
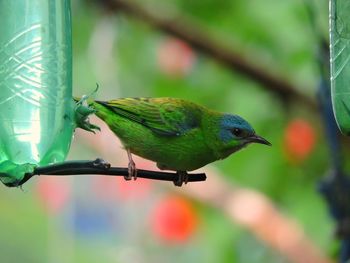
pixel 177 134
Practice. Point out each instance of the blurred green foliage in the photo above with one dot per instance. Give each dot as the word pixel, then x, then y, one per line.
pixel 277 36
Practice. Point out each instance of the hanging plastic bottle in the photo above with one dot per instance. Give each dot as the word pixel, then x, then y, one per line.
pixel 340 62
pixel 36 107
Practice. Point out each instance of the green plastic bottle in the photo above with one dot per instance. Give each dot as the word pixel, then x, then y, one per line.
pixel 340 62
pixel 36 107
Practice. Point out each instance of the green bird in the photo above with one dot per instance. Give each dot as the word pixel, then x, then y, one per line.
pixel 177 134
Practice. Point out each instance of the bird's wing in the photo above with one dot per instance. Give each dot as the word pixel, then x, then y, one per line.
pixel 164 116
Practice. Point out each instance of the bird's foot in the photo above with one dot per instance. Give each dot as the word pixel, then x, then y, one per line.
pixel 132 171
pixel 82 112
pixel 183 178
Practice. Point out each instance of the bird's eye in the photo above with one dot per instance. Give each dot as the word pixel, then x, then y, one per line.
pixel 237 132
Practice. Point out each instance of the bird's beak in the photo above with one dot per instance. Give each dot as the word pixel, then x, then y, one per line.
pixel 258 139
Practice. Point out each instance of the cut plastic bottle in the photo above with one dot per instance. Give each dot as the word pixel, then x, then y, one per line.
pixel 36 107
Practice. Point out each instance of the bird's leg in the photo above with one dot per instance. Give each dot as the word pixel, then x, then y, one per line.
pixel 183 178
pixel 132 171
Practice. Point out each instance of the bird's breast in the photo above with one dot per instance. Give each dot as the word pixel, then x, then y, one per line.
pixel 186 152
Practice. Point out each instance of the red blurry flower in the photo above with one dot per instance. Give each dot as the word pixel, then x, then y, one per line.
pixel 174 219
pixel 53 192
pixel 299 140
pixel 175 57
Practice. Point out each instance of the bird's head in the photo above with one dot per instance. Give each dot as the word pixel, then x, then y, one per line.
pixel 235 133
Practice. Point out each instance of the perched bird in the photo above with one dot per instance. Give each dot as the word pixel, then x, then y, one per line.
pixel 177 134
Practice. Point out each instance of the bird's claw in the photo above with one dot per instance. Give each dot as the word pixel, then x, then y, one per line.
pixel 82 114
pixel 132 171
pixel 183 178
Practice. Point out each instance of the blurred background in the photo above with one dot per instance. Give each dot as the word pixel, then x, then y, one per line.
pixel 257 59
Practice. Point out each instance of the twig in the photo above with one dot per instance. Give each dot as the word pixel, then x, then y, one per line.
pixel 101 167
pixel 195 36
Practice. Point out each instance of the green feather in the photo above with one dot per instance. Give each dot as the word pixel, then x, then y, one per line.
pixel 177 134
pixel 165 116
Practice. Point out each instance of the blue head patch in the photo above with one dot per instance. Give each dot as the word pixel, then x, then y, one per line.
pixel 234 127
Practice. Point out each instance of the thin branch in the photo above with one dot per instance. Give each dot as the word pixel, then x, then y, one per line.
pixel 101 167
pixel 181 27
